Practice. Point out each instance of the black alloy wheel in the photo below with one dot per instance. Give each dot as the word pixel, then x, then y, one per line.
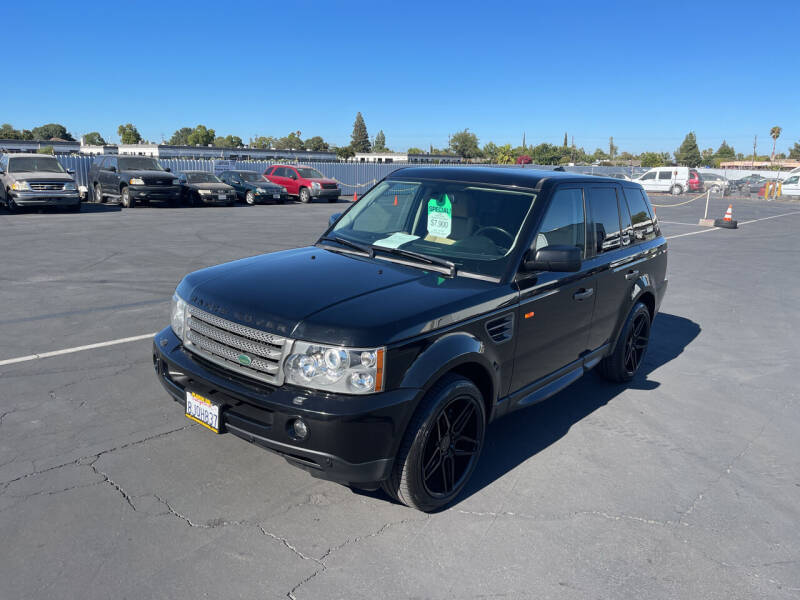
pixel 626 359
pixel 441 446
pixel 636 343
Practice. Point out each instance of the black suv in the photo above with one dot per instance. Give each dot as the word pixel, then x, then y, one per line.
pixel 444 299
pixel 132 179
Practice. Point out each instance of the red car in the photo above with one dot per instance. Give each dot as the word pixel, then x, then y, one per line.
pixel 695 183
pixel 304 182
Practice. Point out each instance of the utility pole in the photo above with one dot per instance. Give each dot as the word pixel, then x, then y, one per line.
pixel 755 141
pixel 523 140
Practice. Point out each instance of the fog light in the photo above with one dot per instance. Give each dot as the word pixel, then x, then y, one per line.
pixel 298 429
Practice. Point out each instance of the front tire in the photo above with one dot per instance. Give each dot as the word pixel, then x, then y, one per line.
pixel 305 195
pixel 623 364
pixel 441 446
pixel 676 190
pixel 98 194
pixel 126 200
pixel 250 198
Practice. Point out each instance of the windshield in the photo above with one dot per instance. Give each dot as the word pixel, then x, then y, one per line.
pixel 474 226
pixel 202 178
pixel 29 164
pixel 309 173
pixel 139 163
pixel 250 176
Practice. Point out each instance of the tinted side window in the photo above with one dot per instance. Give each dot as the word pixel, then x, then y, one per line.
pixel 605 216
pixel 664 175
pixel 564 223
pixel 643 229
pixel 625 221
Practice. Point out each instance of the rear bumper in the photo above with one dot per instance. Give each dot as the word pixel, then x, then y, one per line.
pixel 352 439
pixel 46 198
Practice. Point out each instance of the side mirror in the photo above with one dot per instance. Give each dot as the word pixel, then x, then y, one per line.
pixel 566 259
pixel 168 170
pixel 112 168
pixel 70 171
pixel 333 218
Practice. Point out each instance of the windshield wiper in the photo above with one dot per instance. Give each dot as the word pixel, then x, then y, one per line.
pixel 433 260
pixel 345 242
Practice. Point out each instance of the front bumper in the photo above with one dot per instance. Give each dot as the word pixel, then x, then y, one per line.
pixel 46 198
pixel 352 439
pixel 269 196
pixel 215 199
pixel 325 193
pixel 153 192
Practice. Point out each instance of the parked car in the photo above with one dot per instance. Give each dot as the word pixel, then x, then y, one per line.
pixel 442 300
pixel 252 188
pixel 752 184
pixel 132 179
pixel 202 187
pixel 304 182
pixel 716 183
pixel 619 176
pixel 674 180
pixel 695 181
pixel 36 180
pixel 791 186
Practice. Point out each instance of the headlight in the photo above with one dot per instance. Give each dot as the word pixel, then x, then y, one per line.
pixel 70 187
pixel 178 316
pixel 284 190
pixel 136 181
pixel 315 185
pixel 336 369
pixel 260 190
pixel 21 186
pixel 204 192
pixel 176 182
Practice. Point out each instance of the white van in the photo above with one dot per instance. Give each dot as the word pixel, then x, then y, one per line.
pixel 674 180
pixel 791 185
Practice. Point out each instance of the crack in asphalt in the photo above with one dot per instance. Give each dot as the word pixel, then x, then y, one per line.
pixel 111 482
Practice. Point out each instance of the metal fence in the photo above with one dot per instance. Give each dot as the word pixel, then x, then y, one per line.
pixel 357 177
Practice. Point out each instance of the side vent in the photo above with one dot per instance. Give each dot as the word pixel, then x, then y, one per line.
pixel 501 329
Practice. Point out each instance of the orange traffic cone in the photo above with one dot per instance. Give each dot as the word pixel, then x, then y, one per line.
pixel 727 221
pixel 395 200
pixel 355 197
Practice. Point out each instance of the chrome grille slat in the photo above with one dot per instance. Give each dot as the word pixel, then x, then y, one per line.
pixel 224 337
pixel 222 342
pixel 243 330
pixel 230 354
pixel 49 187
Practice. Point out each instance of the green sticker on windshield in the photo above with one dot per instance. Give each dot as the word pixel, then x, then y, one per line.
pixel 440 216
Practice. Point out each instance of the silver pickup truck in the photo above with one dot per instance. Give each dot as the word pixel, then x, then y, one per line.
pixel 36 180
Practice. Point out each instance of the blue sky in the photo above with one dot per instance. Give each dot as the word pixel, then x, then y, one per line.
pixel 645 73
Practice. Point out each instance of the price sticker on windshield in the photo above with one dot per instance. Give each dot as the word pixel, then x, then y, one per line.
pixel 440 216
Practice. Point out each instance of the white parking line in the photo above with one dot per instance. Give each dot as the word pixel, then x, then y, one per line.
pixel 19 359
pixel 672 237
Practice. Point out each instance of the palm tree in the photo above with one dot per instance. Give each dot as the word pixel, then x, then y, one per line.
pixel 775 133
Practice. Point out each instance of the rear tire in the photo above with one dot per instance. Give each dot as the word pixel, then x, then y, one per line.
pixel 305 196
pixel 623 364
pixel 98 194
pixel 126 200
pixel 440 447
pixel 676 190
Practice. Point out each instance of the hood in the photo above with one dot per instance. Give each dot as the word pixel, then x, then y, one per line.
pixel 324 180
pixel 322 296
pixel 209 186
pixel 148 174
pixel 267 185
pixel 40 176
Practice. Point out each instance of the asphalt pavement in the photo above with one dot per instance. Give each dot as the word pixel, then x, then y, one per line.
pixel 683 484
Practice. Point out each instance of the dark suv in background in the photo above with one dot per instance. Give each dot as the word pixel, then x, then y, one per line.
pixel 132 179
pixel 444 299
pixel 36 180
pixel 252 188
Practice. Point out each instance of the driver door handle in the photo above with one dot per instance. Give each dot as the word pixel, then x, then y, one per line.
pixel 582 294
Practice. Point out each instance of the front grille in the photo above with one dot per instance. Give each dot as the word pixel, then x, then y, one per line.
pixel 329 186
pixel 152 181
pixel 43 186
pixel 224 342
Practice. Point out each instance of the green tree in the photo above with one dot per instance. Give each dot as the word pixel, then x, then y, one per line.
pixel 774 133
pixel 263 141
pixel 7 132
pixel 612 149
pixel 201 136
pixel 228 141
pixel 547 154
pixel 651 159
pixel 725 152
pixel 415 150
pixel 181 137
pixel 316 144
pixel 599 155
pixel 490 151
pixel 627 156
pixel 128 134
pixel 359 139
pixel 794 152
pixel 465 144
pixel 504 155
pixel 93 138
pixel 380 142
pixel 45 150
pixel 688 153
pixel 565 139
pixel 50 131
pixel 707 157
pixel 290 142
pixel 345 152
